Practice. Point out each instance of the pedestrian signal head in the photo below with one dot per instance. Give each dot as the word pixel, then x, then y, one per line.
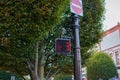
pixel 62 46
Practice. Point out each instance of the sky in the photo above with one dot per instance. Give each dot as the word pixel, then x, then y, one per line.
pixel 112 14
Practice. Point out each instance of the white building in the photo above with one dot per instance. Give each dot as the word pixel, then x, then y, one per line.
pixel 111 44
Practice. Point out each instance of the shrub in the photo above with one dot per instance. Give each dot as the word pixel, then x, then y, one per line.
pixel 100 65
pixel 7 76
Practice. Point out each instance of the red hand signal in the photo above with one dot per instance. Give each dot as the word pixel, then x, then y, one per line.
pixel 67 46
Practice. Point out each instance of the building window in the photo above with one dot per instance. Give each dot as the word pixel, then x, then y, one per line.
pixel 117 55
pixel 111 55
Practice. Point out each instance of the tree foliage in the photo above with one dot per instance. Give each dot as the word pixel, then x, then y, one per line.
pixel 90 33
pixel 100 65
pixel 23 23
pixel 90 25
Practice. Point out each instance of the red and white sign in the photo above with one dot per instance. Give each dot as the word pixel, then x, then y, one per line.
pixel 76 7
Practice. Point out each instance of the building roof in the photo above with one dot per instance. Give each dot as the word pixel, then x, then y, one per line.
pixel 117 27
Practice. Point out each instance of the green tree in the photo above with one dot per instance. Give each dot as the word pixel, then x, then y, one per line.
pixel 100 65
pixel 90 32
pixel 90 25
pixel 23 26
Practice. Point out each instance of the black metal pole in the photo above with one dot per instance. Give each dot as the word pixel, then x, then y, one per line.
pixel 77 53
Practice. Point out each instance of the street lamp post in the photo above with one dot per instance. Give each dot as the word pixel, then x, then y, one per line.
pixel 77 53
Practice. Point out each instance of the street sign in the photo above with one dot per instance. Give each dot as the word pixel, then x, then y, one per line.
pixel 76 7
pixel 12 77
pixel 62 46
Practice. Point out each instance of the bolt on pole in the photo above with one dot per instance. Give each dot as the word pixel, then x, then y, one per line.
pixel 77 53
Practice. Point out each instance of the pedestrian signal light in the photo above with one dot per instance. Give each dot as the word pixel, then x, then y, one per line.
pixel 62 45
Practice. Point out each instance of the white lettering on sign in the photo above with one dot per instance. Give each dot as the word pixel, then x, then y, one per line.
pixel 76 7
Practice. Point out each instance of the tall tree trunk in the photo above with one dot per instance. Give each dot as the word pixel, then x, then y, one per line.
pixel 41 61
pixel 33 64
pixel 36 69
pixel 41 75
pixel 36 60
